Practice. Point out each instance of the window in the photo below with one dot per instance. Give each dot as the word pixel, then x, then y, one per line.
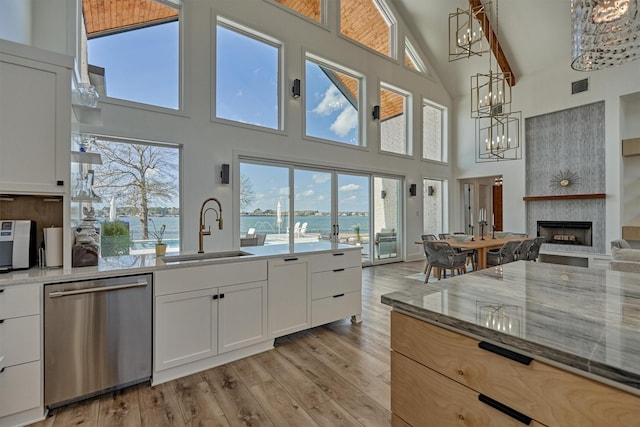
pixel 140 191
pixel 369 22
pixel 394 123
pixel 433 126
pixel 412 59
pixel 433 199
pixel 312 9
pixel 247 76
pixel 133 53
pixel 332 100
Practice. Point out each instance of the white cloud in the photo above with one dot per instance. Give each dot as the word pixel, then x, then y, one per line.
pixel 350 187
pixel 332 101
pixel 284 191
pixel 320 178
pixel 346 120
pixel 307 193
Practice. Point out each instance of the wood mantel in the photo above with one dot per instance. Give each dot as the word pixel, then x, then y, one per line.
pixel 565 197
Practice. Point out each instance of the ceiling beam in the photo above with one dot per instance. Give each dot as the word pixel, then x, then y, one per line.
pixel 493 41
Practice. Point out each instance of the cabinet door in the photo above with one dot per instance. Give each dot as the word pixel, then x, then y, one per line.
pixel 35 121
pixel 185 328
pixel 289 295
pixel 242 315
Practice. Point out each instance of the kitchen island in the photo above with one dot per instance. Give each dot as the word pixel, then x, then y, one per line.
pixel 540 344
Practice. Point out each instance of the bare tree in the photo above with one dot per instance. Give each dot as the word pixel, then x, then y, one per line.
pixel 137 174
pixel 247 195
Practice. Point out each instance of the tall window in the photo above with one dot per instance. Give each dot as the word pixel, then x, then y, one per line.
pixel 332 102
pixel 247 76
pixel 433 131
pixel 434 198
pixel 133 53
pixel 312 9
pixel 394 121
pixel 139 188
pixel 371 23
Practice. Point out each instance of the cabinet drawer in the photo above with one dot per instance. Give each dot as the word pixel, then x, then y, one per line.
pixel 19 388
pixel 20 340
pixel 327 310
pixel 16 301
pixel 334 282
pixel 334 260
pixel 423 397
pixel 554 396
pixel 208 276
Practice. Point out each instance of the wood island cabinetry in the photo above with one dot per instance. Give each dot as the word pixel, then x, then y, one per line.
pixel 443 378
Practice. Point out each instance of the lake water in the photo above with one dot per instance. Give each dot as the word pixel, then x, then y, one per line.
pixel 262 224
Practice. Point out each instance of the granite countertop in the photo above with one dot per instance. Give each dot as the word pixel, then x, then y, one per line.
pixel 140 264
pixel 583 319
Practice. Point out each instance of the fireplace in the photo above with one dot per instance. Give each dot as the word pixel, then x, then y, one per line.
pixel 576 233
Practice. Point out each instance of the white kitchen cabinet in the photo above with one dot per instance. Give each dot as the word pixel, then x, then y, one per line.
pixel 204 312
pixel 20 354
pixel 289 295
pixel 336 287
pixel 35 119
pixel 186 328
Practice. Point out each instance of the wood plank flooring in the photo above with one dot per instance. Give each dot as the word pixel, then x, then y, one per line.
pixel 333 375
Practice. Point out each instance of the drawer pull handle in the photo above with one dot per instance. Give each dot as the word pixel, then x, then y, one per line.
pixel 291 259
pixel 215 296
pixel 338 296
pixel 2 370
pixel 516 357
pixel 1 321
pixel 339 269
pixel 1 290
pixel 339 254
pixel 505 409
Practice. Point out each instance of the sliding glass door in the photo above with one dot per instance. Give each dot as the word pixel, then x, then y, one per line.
pixel 296 204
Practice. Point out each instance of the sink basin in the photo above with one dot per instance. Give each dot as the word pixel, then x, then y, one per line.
pixel 202 257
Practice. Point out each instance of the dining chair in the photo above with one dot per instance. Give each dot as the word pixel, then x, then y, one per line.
pixel 504 255
pixel 534 249
pixel 426 237
pixel 442 256
pixel 521 251
pixel 444 236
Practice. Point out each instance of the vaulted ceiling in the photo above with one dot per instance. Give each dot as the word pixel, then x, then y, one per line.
pixel 533 34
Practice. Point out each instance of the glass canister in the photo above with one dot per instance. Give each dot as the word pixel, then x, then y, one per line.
pixel 88 95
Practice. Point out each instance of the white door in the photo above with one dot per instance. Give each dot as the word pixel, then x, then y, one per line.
pixel 186 327
pixel 242 315
pixel 289 295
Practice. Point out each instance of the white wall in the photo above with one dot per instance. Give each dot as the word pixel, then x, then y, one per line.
pixel 207 144
pixel 540 93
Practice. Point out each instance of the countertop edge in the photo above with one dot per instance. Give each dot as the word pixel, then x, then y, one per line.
pixel 49 276
pixel 614 377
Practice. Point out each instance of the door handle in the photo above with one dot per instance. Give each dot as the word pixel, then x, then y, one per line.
pixel 141 283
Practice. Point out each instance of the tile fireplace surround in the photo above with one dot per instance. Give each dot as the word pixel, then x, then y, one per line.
pixel 569 140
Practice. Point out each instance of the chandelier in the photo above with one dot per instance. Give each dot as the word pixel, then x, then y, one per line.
pixel 498 137
pixel 466 33
pixel 605 33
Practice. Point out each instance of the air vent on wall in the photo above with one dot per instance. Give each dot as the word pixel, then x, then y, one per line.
pixel 579 86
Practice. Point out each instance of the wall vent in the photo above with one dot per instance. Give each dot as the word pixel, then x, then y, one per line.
pixel 579 86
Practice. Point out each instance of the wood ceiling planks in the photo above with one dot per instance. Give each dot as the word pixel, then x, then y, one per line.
pixel 109 16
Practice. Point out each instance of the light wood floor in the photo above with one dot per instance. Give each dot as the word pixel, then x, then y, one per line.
pixel 332 375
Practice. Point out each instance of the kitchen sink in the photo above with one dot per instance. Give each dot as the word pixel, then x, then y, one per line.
pixel 202 257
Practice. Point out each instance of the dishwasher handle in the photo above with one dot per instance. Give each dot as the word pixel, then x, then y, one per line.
pixel 141 283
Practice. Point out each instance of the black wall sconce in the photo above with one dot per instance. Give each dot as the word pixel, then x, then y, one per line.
pixel 383 194
pixel 376 112
pixel 224 173
pixel 295 89
pixel 431 190
pixel 413 189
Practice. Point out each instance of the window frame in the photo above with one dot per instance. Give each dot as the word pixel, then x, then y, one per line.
pixel 259 36
pixel 323 12
pixel 444 118
pixel 390 18
pixel 183 63
pixel 360 77
pixel 415 59
pixel 408 125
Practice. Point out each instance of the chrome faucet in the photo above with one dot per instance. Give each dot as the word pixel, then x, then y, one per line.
pixel 203 211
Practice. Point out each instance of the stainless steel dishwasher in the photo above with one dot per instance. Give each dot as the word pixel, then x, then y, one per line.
pixel 97 337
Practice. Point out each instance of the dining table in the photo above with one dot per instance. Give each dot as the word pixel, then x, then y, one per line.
pixel 481 245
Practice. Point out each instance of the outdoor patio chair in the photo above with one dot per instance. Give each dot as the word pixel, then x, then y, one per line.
pixel 442 256
pixel 504 255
